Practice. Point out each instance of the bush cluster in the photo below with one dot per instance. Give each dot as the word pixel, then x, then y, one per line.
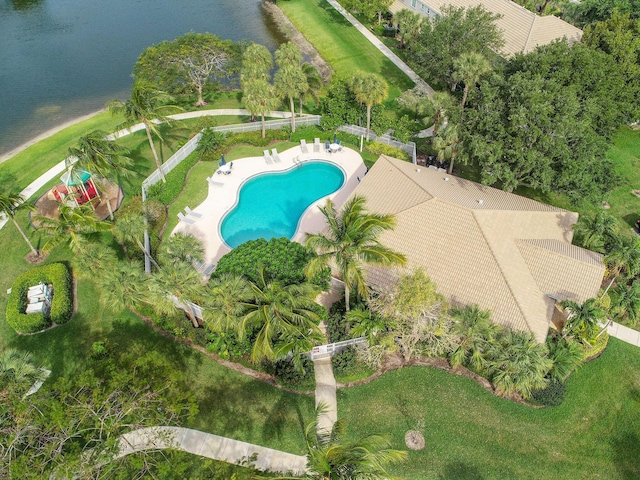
pixel 55 274
pixel 282 259
pixel 378 148
pixel 167 192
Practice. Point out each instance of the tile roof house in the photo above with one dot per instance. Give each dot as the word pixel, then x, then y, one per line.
pixel 506 253
pixel 522 29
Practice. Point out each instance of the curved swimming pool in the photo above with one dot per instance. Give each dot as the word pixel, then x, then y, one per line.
pixel 270 205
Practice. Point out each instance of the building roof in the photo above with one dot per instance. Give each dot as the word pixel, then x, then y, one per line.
pixel 522 29
pixel 480 245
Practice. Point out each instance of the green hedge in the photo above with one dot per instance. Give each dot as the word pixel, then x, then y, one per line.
pixel 56 274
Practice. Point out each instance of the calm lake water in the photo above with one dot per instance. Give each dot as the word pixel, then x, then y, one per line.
pixel 61 59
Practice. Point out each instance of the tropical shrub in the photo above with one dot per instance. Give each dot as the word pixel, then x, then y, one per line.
pixel 286 372
pixel 227 345
pixel 593 350
pixel 378 148
pixel 55 274
pixel 282 259
pixel 167 192
pixel 550 396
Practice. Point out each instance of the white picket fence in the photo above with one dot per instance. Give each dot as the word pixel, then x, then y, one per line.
pixel 409 147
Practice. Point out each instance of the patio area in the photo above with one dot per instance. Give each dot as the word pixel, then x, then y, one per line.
pixel 204 222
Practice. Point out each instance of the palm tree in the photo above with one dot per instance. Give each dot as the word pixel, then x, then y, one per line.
pixel 12 203
pixel 225 302
pixel 148 106
pixel 181 247
pixel 469 67
pixel 259 97
pixel 409 24
pixel 256 64
pixel 566 355
pixel 290 80
pixel 209 143
pixel 331 457
pixel 583 320
pixel 350 243
pixel 624 258
pixel 280 313
pixel 102 158
pixel 122 285
pixel 176 283
pixel 597 233
pixel 475 332
pixel 92 258
pixel 17 370
pixel 72 224
pixel 314 82
pixel 625 302
pixel 131 228
pixel 441 101
pixel 365 323
pixel 446 144
pixel 518 363
pixel 369 89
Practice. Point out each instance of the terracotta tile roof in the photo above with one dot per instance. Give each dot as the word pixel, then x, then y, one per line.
pixel 507 253
pixel 522 29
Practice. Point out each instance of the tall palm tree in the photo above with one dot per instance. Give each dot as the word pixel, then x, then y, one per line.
pixel 131 228
pixel 12 203
pixel 122 285
pixel 409 24
pixel 102 158
pixel 469 67
pixel 441 102
pixel 259 97
pixel 18 370
pixel 447 143
pixel 583 320
pixel 369 89
pixel 92 258
pixel 331 457
pixel 290 82
pixel 351 242
pixel 518 363
pixel 257 62
pixel 148 106
pixel 597 233
pixel 181 247
pixel 625 302
pixel 225 302
pixel 314 83
pixel 475 331
pixel 280 313
pixel 71 226
pixel 624 258
pixel 176 282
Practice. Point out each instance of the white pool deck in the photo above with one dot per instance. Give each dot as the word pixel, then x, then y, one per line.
pixel 223 195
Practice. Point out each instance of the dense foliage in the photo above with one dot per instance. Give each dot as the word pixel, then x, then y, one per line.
pixel 282 259
pixel 55 274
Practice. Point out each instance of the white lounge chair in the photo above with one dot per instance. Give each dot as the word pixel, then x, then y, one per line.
pixel 267 157
pixel 275 156
pixel 213 183
pixel 191 213
pixel 316 145
pixel 303 146
pixel 186 220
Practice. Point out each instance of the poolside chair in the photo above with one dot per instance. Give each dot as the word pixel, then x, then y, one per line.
pixel 274 154
pixel 316 145
pixel 213 183
pixel 267 157
pixel 327 147
pixel 303 146
pixel 191 213
pixel 185 219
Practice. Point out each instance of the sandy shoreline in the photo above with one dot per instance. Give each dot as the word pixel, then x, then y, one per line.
pixel 52 131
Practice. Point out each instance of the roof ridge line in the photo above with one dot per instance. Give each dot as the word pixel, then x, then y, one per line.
pixel 526 240
pixel 526 43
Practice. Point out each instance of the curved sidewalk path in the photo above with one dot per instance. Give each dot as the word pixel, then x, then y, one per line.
pixel 325 394
pixel 56 170
pixel 211 446
pixel 382 47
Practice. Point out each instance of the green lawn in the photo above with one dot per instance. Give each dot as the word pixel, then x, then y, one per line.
pixel 341 45
pixel 471 434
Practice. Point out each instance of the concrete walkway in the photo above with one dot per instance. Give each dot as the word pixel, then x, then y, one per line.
pixel 211 446
pixel 623 333
pixel 325 394
pixel 382 47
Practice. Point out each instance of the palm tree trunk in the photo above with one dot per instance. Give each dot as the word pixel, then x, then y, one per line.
pixel 155 154
pixel 146 254
pixel 263 126
pixel 368 120
pixel 436 120
pixel 346 296
pixel 453 157
pixel 464 95
pixel 33 250
pixel 300 105
pixel 293 115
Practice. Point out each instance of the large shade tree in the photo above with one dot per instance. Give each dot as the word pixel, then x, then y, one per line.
pixel 351 241
pixel 12 203
pixel 370 89
pixel 148 106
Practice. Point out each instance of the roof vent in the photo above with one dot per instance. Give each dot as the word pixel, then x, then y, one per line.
pixel 446 179
pixel 480 202
pixel 418 170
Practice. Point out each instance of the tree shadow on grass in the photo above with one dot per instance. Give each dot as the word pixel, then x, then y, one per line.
pixel 626 451
pixel 459 471
pixel 333 14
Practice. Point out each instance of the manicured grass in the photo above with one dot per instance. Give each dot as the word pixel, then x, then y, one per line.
pixel 340 44
pixel 471 434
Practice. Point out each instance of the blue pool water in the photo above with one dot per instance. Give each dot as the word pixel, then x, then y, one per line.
pixel 270 205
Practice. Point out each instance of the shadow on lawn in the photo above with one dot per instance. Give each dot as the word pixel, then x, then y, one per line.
pixel 459 470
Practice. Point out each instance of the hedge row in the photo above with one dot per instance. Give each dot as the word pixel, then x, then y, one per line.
pixel 56 274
